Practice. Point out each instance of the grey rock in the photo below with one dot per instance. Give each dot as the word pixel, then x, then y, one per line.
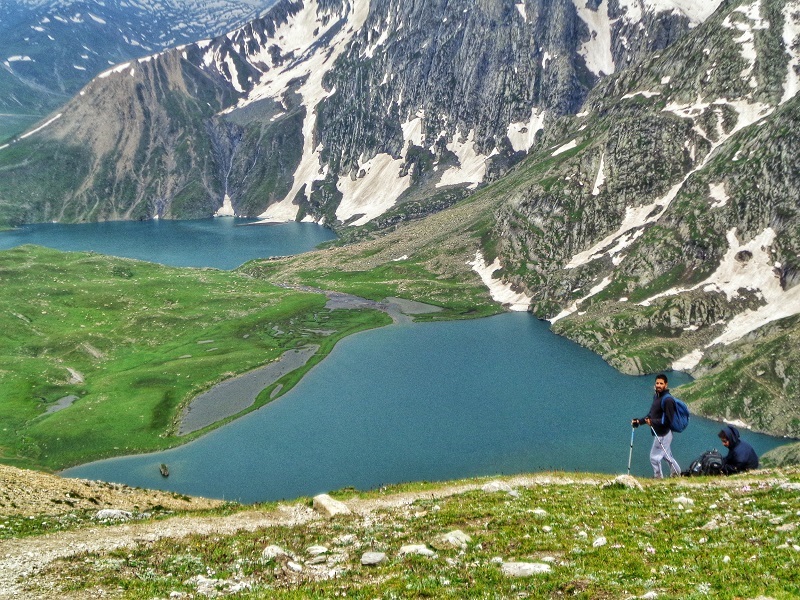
pixel 329 507
pixel 420 549
pixel 370 559
pixel 112 514
pixel 272 552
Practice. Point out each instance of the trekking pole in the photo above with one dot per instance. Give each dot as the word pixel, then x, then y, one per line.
pixel 667 454
pixel 630 454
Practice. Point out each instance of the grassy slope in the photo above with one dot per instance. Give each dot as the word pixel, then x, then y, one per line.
pixel 133 341
pixel 730 538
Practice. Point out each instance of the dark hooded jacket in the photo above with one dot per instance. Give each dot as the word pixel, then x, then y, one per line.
pixel 741 456
pixel 660 417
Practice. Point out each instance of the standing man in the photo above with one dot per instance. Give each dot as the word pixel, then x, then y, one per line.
pixel 662 411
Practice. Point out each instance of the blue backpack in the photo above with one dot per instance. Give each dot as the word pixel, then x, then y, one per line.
pixel 681 419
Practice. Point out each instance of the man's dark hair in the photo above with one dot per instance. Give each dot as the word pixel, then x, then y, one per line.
pixel 662 376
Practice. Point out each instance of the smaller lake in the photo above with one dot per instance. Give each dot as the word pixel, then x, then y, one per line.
pixel 221 243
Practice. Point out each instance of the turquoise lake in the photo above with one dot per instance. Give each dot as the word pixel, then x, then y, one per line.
pixel 430 401
pixel 221 243
pixel 407 402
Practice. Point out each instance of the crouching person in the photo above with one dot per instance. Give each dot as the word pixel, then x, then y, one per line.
pixel 741 456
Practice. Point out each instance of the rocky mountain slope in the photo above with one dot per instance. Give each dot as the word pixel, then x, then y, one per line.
pixel 49 50
pixel 664 232
pixel 308 111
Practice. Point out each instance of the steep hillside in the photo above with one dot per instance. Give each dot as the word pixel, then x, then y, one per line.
pixel 49 50
pixel 333 110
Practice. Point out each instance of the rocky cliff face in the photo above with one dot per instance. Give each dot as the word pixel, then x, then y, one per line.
pixel 661 228
pixel 334 111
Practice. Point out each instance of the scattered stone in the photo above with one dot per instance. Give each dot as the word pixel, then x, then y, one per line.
pixel 420 549
pixel 112 514
pixel 498 560
pixel 370 559
pixel 650 595
pixel 711 525
pixel 539 512
pixel 297 568
pixel 454 539
pixel 787 527
pixel 684 501
pixel 497 486
pixel 601 541
pixel 547 529
pixel 316 550
pixel 317 560
pixel 329 507
pixel 273 552
pixel 726 559
pixel 524 569
pixel 626 481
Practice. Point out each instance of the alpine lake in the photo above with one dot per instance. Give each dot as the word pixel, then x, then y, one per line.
pixel 407 402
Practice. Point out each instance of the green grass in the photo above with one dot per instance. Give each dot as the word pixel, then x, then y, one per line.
pixel 732 538
pixel 134 341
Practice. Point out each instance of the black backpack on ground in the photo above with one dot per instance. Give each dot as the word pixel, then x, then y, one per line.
pixel 709 463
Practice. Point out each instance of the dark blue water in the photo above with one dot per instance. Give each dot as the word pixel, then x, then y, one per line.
pixel 433 401
pixel 222 243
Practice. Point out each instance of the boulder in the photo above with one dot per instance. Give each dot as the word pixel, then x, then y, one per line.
pixel 453 539
pixel 272 552
pixel 329 507
pixel 370 559
pixel 420 549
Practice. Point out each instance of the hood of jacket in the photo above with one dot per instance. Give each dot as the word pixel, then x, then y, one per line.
pixel 731 433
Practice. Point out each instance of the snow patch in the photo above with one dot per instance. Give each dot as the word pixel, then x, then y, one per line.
pixel 117 69
pixel 472 166
pixel 688 362
pixel 375 192
pixel 18 58
pixel 522 134
pixel 574 307
pixel 521 8
pixel 58 116
pixel 568 146
pixel 226 210
pixel 500 292
pixel 96 19
pixel 597 51
pixel 791 40
pixel 601 177
pixel 696 11
pixel 717 192
pixel 645 93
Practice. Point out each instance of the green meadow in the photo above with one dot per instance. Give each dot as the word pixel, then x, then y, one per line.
pixel 132 342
